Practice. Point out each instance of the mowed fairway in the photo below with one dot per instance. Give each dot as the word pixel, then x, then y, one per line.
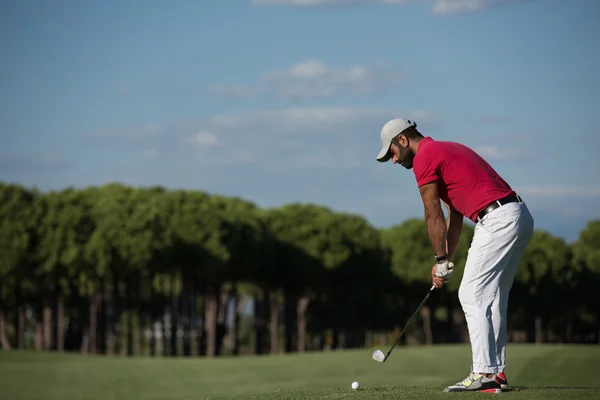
pixel 537 372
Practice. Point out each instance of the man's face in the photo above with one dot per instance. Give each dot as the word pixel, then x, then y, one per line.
pixel 401 154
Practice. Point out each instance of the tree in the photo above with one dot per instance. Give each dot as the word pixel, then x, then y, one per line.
pixel 542 279
pixel 63 268
pixel 19 218
pixel 587 263
pixel 412 260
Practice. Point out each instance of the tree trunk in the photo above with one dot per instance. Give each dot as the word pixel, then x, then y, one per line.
pixel 174 314
pixel 260 321
pixel 47 328
pixel 115 322
pixel 188 299
pixel 335 338
pixel 165 330
pixel 93 326
pixel 303 303
pixel 3 339
pixel 140 348
pixel 569 329
pixel 101 334
pixel 85 341
pixel 153 335
pixel 37 336
pixel 426 315
pixel 274 322
pixel 20 327
pixel 238 307
pixel 222 320
pixel 290 305
pixel 19 320
pixel 458 318
pixel 210 320
pixel 60 323
pixel 201 327
pixel 538 329
pixel 131 328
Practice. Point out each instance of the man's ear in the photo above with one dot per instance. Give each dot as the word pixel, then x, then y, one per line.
pixel 403 141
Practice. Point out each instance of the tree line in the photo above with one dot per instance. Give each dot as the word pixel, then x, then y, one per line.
pixel 117 269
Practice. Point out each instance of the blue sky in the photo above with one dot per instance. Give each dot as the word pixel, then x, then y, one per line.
pixel 283 100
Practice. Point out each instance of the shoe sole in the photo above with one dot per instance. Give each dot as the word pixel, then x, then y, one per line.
pixel 494 390
pixel 491 391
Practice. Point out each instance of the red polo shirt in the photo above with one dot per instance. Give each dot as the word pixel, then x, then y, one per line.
pixel 465 180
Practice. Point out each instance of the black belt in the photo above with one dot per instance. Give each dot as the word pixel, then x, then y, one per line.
pixel 513 198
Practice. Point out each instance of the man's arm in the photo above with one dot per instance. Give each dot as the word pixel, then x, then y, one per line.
pixel 434 216
pixel 453 228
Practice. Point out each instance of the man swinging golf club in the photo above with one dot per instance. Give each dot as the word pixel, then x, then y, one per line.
pixel 469 187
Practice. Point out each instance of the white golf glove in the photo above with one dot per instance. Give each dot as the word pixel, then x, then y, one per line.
pixel 444 270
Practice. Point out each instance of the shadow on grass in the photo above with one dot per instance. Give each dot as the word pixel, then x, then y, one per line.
pixel 523 388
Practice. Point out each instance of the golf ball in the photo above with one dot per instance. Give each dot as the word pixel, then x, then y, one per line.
pixel 355 385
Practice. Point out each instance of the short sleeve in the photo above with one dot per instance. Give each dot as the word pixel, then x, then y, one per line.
pixel 426 167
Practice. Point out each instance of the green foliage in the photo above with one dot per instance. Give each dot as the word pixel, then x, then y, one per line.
pixel 411 255
pixel 587 248
pixel 19 221
pixel 152 247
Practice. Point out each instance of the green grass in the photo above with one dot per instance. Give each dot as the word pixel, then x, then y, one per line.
pixel 537 372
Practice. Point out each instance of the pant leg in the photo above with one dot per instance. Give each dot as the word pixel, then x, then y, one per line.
pixel 494 242
pixel 500 305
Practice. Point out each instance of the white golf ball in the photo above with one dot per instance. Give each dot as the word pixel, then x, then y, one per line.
pixel 355 385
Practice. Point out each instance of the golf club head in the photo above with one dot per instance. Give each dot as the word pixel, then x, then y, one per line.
pixel 379 356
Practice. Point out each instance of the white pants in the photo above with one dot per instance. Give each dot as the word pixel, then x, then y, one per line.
pixel 498 245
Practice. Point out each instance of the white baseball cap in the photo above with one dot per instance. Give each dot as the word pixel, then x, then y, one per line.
pixel 389 131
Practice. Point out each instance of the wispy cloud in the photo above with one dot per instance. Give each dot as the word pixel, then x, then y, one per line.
pixel 315 79
pixel 134 131
pixel 125 88
pixel 437 6
pixel 151 153
pixel 502 153
pixel 494 120
pixel 323 2
pixel 298 137
pixel 297 119
pixel 462 6
pixel 38 163
pixel 488 151
pixel 204 139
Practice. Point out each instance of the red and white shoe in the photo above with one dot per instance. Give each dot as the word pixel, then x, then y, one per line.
pixel 501 379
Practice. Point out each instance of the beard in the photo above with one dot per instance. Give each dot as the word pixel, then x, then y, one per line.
pixel 406 158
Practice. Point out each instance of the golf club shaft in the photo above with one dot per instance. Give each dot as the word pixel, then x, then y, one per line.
pixel 415 313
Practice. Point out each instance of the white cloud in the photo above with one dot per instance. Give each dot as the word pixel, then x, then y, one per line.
pixel 491 152
pixel 125 88
pixel 323 2
pixel 300 137
pixel 151 153
pixel 437 7
pixel 560 191
pixel 314 79
pixel 134 131
pixel 458 6
pixel 295 119
pixel 204 139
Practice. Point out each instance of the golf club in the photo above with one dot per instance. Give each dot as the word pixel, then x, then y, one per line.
pixel 378 354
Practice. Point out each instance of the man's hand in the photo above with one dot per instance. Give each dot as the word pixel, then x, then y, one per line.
pixel 442 273
pixel 437 282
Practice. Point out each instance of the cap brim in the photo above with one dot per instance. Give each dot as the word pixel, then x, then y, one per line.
pixel 384 155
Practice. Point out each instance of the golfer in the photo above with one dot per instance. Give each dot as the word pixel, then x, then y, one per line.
pixel 469 187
